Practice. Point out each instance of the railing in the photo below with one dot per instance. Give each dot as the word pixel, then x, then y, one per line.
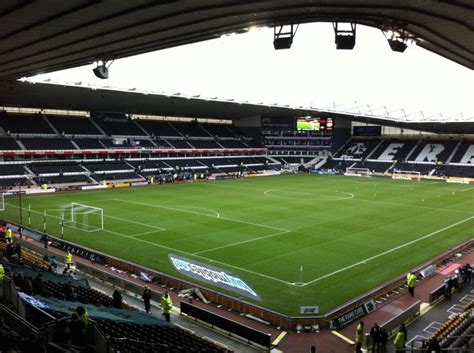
pixel 233 327
pixel 467 346
pixel 17 323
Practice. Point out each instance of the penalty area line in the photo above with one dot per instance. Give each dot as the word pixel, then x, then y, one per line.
pixel 187 253
pixel 363 262
pixel 203 258
pixel 241 242
pixel 203 214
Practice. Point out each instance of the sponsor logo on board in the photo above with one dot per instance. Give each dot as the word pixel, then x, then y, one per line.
pixel 212 275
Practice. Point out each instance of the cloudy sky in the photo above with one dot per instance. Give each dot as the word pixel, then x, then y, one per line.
pixel 311 73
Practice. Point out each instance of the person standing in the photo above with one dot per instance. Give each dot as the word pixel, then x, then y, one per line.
pixel 359 338
pixel 399 341
pixel 166 306
pixel 68 260
pixel 376 335
pixel 447 288
pixel 9 235
pixel 2 275
pixel 434 346
pixel 411 280
pixel 146 298
pixel 117 299
pixel 46 240
pixel 383 340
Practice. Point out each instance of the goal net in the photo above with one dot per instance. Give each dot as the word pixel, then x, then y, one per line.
pixel 82 217
pixel 406 175
pixel 361 172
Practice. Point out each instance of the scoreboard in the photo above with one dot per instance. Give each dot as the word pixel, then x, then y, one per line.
pixel 314 123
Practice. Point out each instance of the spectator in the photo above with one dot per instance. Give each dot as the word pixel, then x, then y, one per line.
pixel 447 287
pixel 61 333
pixel 359 337
pixel 77 328
pixel 433 346
pixel 376 335
pixel 117 299
pixel 26 286
pixel 146 298
pixel 46 240
pixel 383 340
pixel 83 314
pixel 37 283
pixel 313 349
pixel 166 306
pixel 457 280
pixel 53 263
pixel 17 251
pixel 69 291
pixel 9 251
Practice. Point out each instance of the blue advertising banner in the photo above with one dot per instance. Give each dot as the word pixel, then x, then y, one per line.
pixel 212 275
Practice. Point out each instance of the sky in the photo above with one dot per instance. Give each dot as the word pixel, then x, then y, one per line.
pixel 245 67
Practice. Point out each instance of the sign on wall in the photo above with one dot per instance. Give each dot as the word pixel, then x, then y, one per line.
pixel 212 275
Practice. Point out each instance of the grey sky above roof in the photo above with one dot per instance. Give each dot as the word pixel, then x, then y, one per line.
pixel 312 73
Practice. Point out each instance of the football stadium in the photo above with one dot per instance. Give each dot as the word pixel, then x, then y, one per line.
pixel 137 221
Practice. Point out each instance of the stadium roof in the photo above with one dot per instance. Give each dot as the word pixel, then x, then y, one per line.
pixel 53 96
pixel 38 36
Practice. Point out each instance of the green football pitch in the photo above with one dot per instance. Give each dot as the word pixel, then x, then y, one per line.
pixel 348 235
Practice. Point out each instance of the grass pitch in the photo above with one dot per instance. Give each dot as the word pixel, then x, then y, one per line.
pixel 348 234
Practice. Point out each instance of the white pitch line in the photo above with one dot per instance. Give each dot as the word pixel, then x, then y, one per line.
pixel 205 209
pixel 415 206
pixel 241 242
pixel 204 258
pixel 203 214
pixel 189 254
pixel 135 222
pixel 112 217
pixel 145 233
pixel 320 197
pixel 467 189
pixel 363 262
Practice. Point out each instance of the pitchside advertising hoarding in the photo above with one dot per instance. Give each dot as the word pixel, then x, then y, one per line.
pixel 212 275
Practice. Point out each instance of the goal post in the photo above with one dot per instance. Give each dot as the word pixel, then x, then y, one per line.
pixel 361 172
pixel 2 202
pixel 406 175
pixel 83 217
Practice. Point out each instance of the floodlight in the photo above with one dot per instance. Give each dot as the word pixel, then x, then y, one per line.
pixel 283 37
pixel 399 39
pixel 345 38
pixel 102 70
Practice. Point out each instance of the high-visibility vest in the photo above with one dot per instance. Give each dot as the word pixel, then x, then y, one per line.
pixel 359 333
pixel 166 305
pixel 399 340
pixel 2 273
pixel 411 280
pixel 9 233
pixel 69 258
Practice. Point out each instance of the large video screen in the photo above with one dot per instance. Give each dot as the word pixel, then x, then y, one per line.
pixel 313 123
